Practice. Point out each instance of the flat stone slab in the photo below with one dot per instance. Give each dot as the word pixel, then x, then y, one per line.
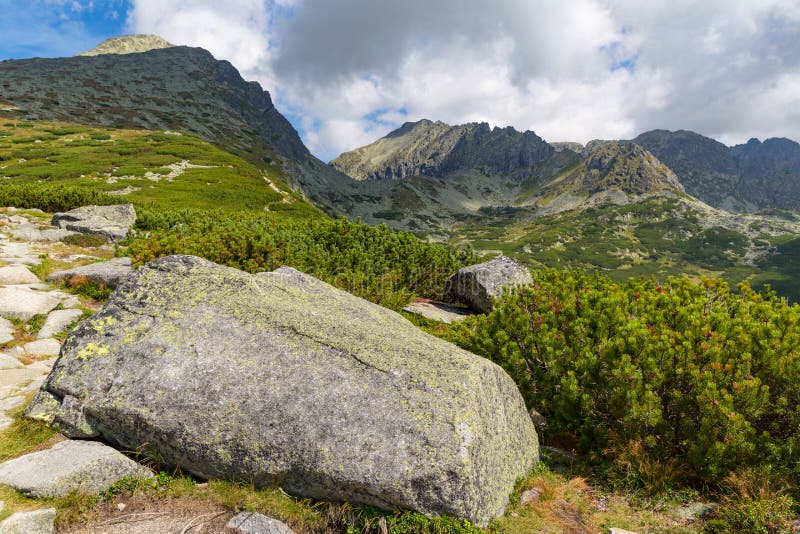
pixel 23 303
pixel 43 347
pixel 57 321
pixel 34 522
pixel 16 377
pixel 85 466
pixel 6 330
pixel 255 523
pixel 17 274
pixel 9 362
pixel 108 273
pixel 437 311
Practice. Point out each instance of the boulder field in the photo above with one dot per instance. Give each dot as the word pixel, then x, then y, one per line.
pixel 279 378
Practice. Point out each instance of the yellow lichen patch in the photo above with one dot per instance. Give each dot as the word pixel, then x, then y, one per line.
pixel 100 324
pixel 91 350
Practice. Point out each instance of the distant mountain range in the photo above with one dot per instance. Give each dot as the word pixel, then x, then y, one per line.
pixel 660 204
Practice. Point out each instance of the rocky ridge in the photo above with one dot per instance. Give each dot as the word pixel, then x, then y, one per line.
pixel 436 149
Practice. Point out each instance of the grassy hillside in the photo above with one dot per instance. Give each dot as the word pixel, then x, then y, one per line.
pixel 144 167
pixel 661 236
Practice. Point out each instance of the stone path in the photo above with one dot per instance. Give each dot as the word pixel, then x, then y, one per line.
pixel 26 356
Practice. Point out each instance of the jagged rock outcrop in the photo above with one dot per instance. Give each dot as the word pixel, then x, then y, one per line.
pixel 436 149
pixel 479 285
pixel 128 44
pixel 252 377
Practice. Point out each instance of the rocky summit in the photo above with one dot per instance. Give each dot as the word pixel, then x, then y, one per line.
pixel 436 149
pixel 378 413
pixel 128 44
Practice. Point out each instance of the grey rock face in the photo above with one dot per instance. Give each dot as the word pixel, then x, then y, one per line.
pixel 108 273
pixel 435 148
pixel 255 523
pixel 86 466
pixel 478 285
pixel 34 522
pixel 110 222
pixel 279 377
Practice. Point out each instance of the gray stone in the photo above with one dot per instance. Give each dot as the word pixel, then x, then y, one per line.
pixel 437 311
pixel 695 511
pixel 85 466
pixel 111 222
pixel 6 330
pixel 538 419
pixel 34 522
pixel 43 347
pixel 280 377
pixel 23 303
pixel 57 321
pixel 529 496
pixel 108 273
pixel 17 274
pixel 29 232
pixel 478 285
pixel 255 523
pixel 10 403
pixel 615 530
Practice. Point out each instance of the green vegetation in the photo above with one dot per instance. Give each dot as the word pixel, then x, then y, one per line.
pixel 376 263
pixel 672 384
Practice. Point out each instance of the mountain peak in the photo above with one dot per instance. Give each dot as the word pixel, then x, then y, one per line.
pixel 437 149
pixel 128 44
pixel 630 168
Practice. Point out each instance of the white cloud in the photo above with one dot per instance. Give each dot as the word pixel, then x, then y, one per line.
pixel 350 71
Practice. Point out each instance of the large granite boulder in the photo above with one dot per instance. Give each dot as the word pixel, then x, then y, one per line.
pixel 107 273
pixel 479 285
pixel 110 222
pixel 280 378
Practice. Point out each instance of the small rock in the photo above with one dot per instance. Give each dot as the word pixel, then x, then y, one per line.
pixel 538 419
pixel 43 347
pixel 479 285
pixel 22 303
pixel 57 321
pixel 35 522
pixel 111 222
pixel 255 523
pixel 121 506
pixel 614 530
pixel 695 511
pixel 17 274
pixel 528 496
pixel 86 466
pixel 45 366
pixel 109 273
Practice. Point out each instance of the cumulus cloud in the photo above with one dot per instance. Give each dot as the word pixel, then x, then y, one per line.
pixel 352 70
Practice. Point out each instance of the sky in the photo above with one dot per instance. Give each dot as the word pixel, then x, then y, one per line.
pixel 347 72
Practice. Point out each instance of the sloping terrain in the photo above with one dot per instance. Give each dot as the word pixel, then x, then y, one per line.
pixel 170 168
pixel 615 208
pixel 749 177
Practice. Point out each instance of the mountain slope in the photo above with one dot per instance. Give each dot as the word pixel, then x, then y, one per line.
pixel 427 148
pixel 744 178
pixel 175 88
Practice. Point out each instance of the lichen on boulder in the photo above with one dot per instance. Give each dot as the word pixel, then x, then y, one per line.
pixel 279 378
pixel 479 285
